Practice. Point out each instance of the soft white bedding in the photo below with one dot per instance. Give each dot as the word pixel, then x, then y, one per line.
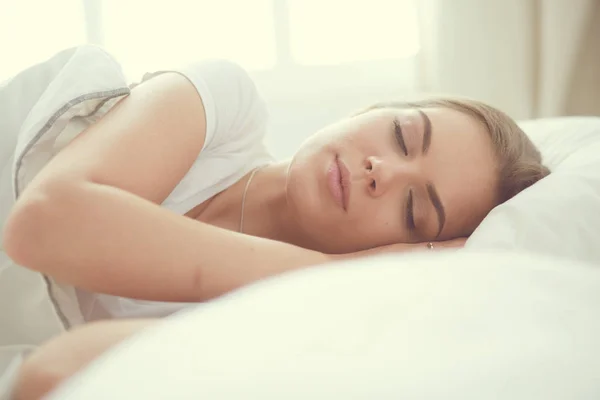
pixel 459 325
pixel 463 325
pixel 559 216
pixel 38 108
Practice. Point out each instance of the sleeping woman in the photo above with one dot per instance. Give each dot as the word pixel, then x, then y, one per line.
pixel 171 198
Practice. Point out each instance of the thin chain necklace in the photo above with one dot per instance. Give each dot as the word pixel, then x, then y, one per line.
pixel 244 196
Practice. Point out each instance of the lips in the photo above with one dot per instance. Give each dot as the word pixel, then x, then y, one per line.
pixel 338 179
pixel 345 181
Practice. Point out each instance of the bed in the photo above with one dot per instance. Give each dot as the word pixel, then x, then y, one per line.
pixel 515 315
pixel 539 251
pixel 461 325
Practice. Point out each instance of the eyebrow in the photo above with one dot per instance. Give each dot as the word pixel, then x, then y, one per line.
pixel 439 207
pixel 426 131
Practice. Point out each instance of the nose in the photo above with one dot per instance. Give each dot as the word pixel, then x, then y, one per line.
pixel 382 175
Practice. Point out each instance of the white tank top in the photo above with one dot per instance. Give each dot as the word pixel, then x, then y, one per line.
pixel 236 120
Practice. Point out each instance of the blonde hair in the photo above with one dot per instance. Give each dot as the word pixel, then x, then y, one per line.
pixel 519 161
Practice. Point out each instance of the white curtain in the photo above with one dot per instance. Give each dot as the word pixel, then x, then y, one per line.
pixel 531 58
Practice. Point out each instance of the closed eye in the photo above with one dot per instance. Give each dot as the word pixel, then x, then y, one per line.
pixel 399 136
pixel 410 218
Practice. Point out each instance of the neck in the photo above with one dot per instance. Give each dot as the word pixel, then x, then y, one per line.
pixel 266 211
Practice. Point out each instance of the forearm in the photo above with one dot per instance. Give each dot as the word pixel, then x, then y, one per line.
pixel 107 240
pixel 63 356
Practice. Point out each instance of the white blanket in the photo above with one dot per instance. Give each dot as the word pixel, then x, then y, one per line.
pixel 465 325
pixel 43 108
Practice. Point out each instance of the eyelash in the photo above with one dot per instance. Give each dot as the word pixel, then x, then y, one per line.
pixel 410 219
pixel 400 137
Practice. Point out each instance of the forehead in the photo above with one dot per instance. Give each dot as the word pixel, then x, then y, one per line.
pixel 461 164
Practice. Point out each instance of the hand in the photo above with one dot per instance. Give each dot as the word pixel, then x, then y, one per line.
pixel 445 244
pixel 402 248
pixel 410 247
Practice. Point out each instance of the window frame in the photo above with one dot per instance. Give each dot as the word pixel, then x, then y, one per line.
pixel 288 79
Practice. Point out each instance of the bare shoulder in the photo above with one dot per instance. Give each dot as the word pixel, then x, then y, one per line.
pixel 145 144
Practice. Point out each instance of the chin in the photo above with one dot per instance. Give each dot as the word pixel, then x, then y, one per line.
pixel 321 230
pixel 306 197
pixel 302 190
pixel 310 201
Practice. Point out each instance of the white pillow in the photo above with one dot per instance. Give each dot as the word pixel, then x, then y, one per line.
pixel 560 215
pixel 429 326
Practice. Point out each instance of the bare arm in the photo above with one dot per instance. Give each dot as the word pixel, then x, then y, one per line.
pixel 92 219
pixel 63 356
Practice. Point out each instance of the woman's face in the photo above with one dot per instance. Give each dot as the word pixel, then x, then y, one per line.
pixel 392 176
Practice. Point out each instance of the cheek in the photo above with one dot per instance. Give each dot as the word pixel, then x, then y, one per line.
pixel 355 133
pixel 379 224
pixel 301 190
pixel 368 142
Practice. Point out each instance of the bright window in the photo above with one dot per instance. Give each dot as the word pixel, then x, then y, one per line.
pixel 294 46
pixel 34 30
pixel 148 34
pixel 329 32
